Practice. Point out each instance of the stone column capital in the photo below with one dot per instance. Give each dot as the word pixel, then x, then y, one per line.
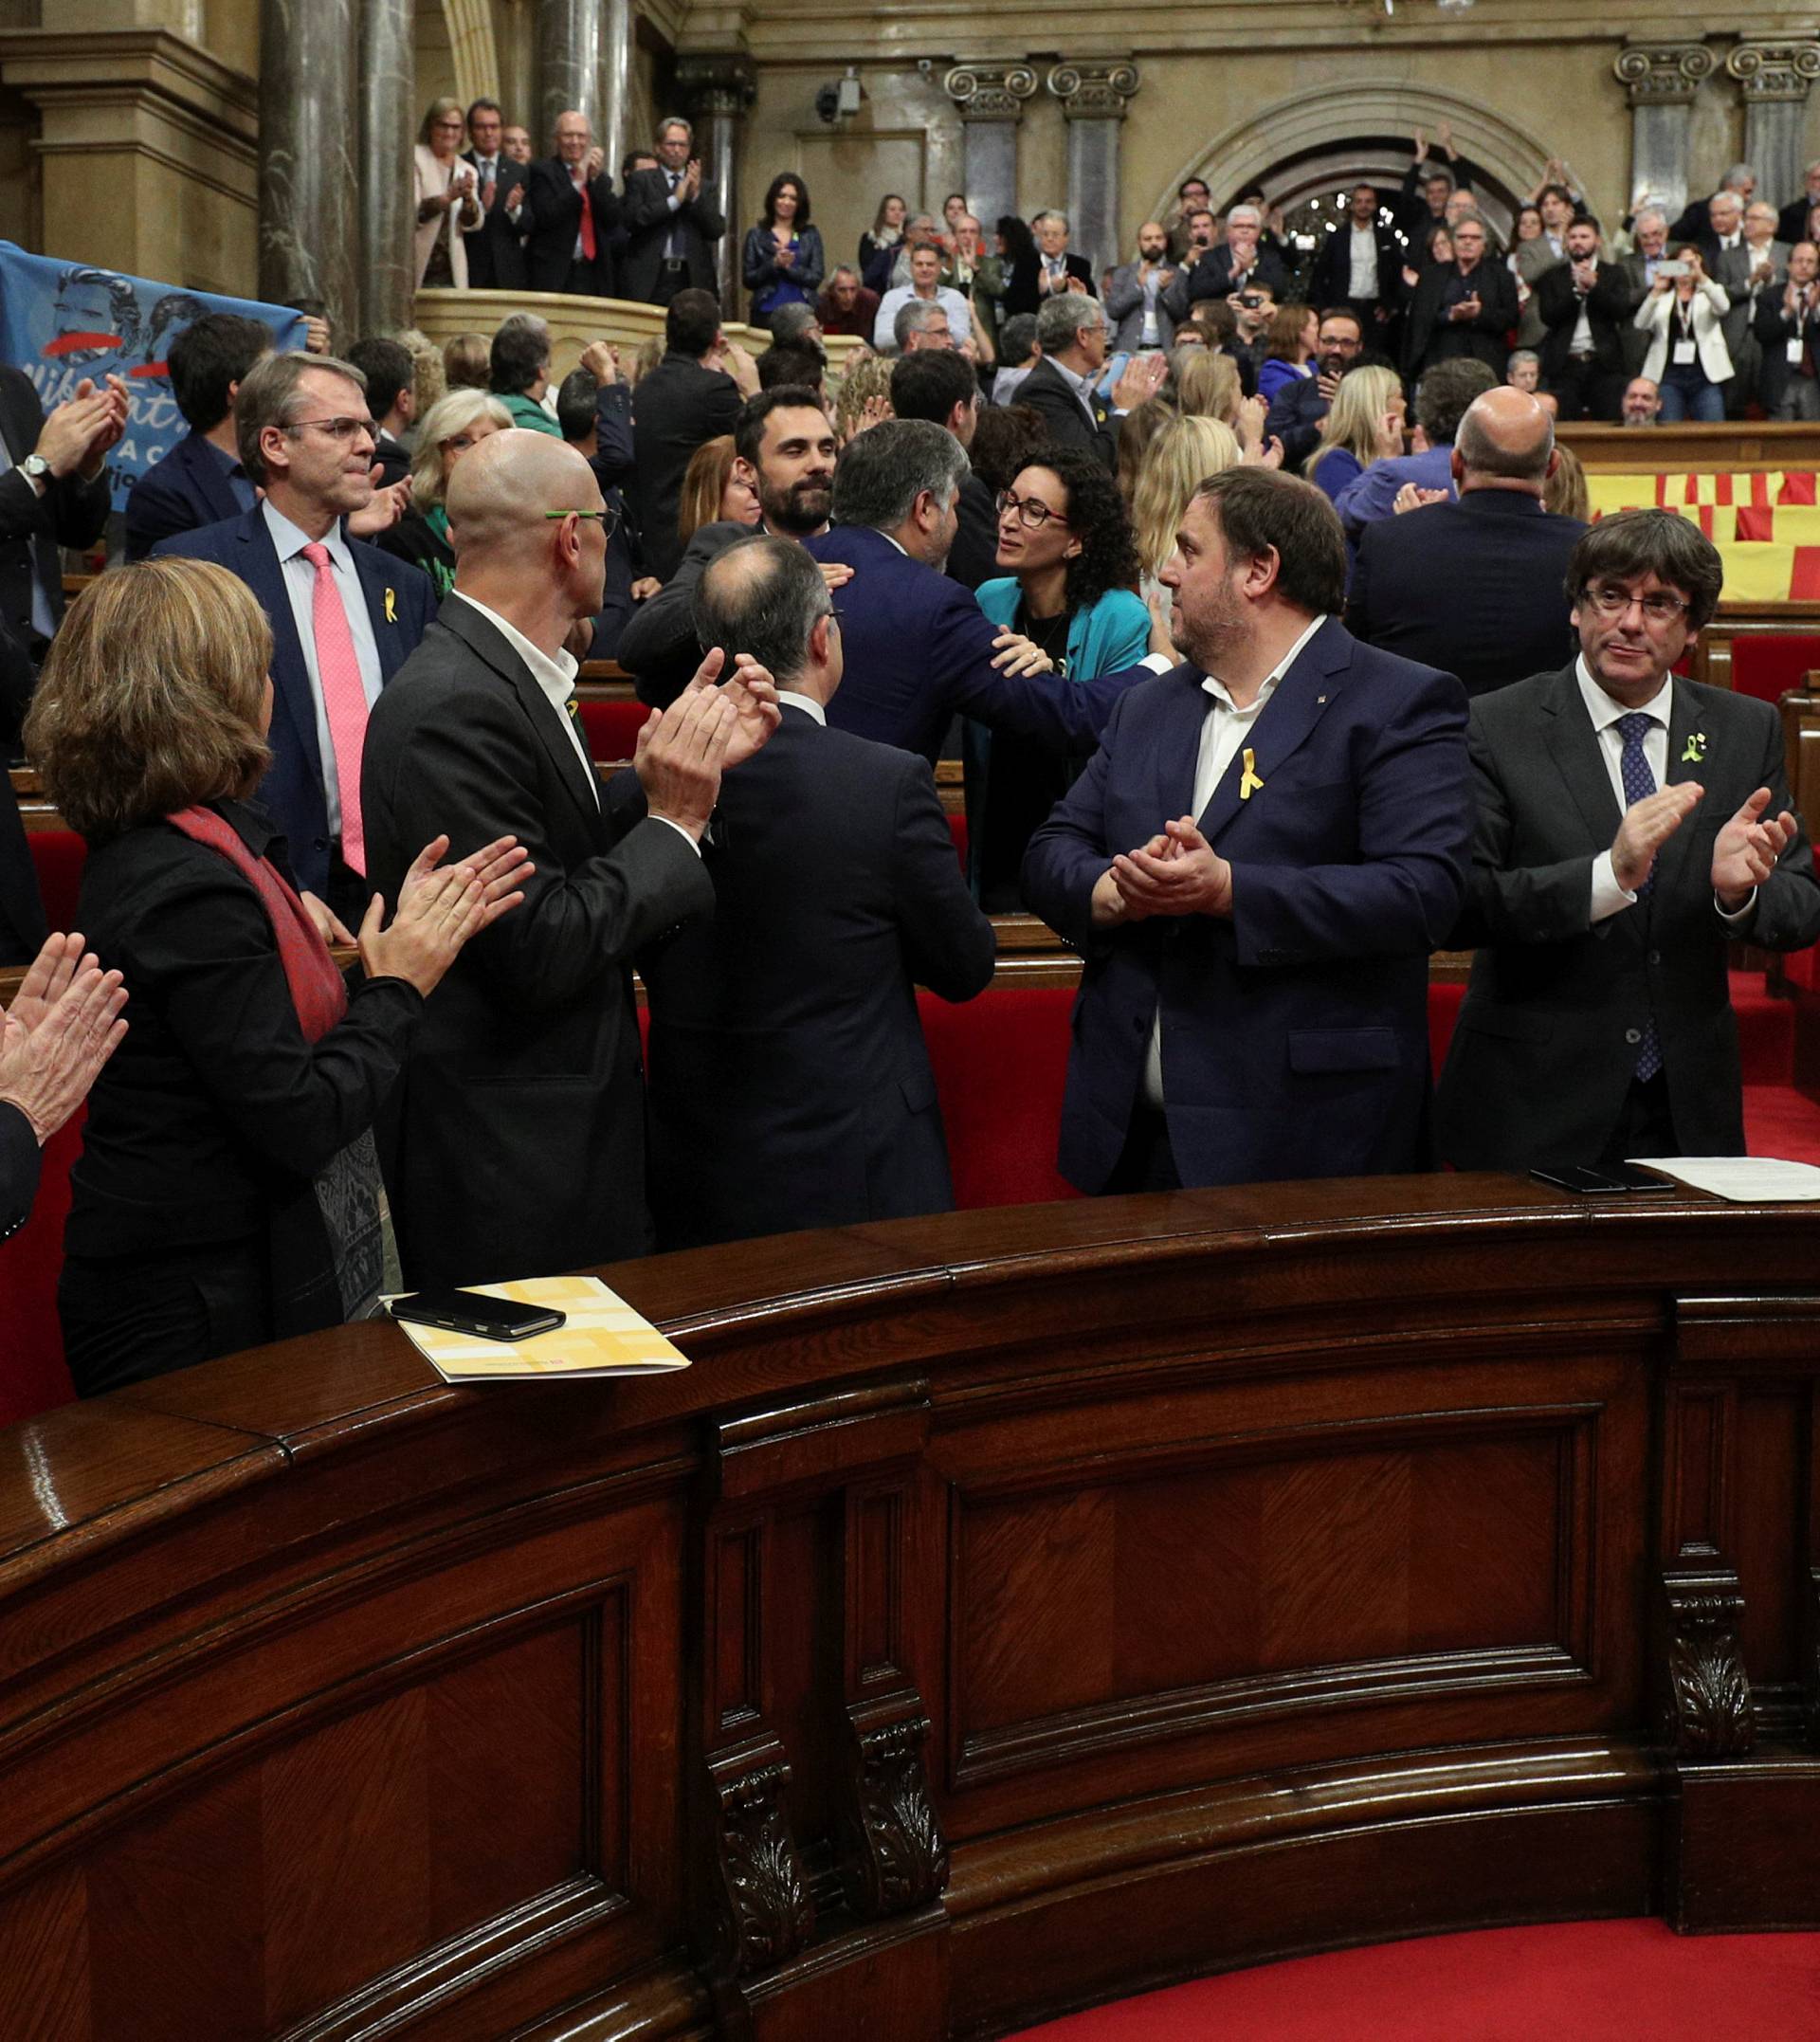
pixel 726 84
pixel 1664 74
pixel 1773 71
pixel 1095 90
pixel 989 91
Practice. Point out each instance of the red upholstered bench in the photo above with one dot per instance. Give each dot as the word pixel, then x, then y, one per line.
pixel 1768 666
pixel 58 854
pixel 612 728
pixel 999 1063
pixel 957 830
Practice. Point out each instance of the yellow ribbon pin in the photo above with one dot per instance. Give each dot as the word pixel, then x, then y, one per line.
pixel 1250 783
pixel 391 605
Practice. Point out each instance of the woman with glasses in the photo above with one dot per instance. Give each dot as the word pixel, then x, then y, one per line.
pixel 1070 573
pixel 447 206
pixel 228 1191
pixel 452 426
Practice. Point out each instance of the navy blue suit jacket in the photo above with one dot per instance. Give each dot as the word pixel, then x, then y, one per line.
pixel 1295 1033
pixel 917 651
pixel 181 493
pixel 400 602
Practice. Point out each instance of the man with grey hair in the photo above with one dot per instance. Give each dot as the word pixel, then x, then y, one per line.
pixel 797 327
pixel 924 295
pixel 1476 588
pixel 344 616
pixel 574 213
pixel 1728 260
pixel 1648 249
pixel 917 649
pixel 670 225
pixel 1239 265
pixel 1064 387
pixel 1059 271
pixel 1740 181
pixel 837 893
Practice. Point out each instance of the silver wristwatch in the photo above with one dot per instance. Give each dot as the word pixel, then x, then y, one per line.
pixel 35 467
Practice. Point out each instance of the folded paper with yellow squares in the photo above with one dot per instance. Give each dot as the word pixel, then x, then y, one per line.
pixel 602 1336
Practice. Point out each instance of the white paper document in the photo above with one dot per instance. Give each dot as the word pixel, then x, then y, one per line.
pixel 1743 1180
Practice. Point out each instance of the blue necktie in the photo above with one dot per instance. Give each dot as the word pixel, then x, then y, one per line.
pixel 1639 783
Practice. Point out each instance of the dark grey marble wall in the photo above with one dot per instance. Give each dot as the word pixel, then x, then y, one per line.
pixel 570 46
pixel 309 222
pixel 388 123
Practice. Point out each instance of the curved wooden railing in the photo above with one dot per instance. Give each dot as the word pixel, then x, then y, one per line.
pixel 1005 1612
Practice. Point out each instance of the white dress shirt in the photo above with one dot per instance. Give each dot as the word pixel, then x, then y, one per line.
pixel 300 585
pixel 789 699
pixel 1362 281
pixel 1225 729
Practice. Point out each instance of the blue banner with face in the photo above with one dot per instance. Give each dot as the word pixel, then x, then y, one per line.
pixel 63 321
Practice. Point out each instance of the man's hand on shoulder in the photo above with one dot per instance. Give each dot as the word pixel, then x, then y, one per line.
pixel 1647 827
pixel 1746 849
pixel 1176 873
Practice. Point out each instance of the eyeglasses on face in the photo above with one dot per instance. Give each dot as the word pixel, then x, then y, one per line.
pixel 1032 512
pixel 343 432
pixel 1658 606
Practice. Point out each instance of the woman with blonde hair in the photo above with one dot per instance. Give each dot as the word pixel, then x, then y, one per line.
pixel 1179 459
pixel 452 426
pixel 228 1191
pixel 1207 385
pixel 447 203
pixel 468 361
pixel 1364 424
pixel 1565 492
pixel 864 398
pixel 713 490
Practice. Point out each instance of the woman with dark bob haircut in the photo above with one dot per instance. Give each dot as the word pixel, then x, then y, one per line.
pixel 1068 581
pixel 227 1193
pixel 784 263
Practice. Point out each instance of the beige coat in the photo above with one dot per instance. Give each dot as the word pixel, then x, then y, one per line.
pixel 432 181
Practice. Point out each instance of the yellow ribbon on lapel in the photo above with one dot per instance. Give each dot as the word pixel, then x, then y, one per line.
pixel 1250 783
pixel 391 605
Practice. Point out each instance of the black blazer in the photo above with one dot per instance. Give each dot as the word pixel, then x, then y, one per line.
pixel 1546 1042
pixel 1775 327
pixel 1331 280
pixel 22 910
pixel 495 260
pixel 183 491
pixel 1429 338
pixel 392 459
pixel 1295 416
pixel 19 1156
pixel 648 221
pixel 678 407
pixel 555 220
pixel 1212 276
pixel 1047 394
pixel 520 1138
pixel 1609 305
pixel 1475 588
pixel 974 556
pixel 790 1085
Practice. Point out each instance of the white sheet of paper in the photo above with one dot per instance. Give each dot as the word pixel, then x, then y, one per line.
pixel 1743 1180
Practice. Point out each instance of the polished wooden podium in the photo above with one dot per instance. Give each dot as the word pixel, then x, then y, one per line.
pixel 1006 1612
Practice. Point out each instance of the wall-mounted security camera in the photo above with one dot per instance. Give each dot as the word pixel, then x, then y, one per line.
pixel 840 100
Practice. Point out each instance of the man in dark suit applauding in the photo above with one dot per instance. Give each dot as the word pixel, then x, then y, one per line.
pixel 788 1082
pixel 573 213
pixel 496 248
pixel 1584 304
pixel 688 398
pixel 1255 866
pixel 1063 388
pixel 1476 587
pixel 200 480
pixel 671 227
pixel 1463 307
pixel 521 1133
pixel 1631 828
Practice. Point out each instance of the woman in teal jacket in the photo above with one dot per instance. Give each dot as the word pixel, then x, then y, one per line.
pixel 1070 562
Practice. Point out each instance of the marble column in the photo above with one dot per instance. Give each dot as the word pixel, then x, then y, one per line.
pixel 309 214
pixel 571 50
pixel 1775 80
pixel 1661 79
pixel 991 97
pixel 1094 96
pixel 716 92
pixel 616 137
pixel 388 120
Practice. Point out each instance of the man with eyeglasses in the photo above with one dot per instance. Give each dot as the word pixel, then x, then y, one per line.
pixel 1630 827
pixel 344 616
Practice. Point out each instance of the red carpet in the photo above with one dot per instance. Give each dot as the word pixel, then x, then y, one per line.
pixel 1581 1981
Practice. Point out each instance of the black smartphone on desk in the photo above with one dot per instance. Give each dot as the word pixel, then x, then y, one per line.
pixel 1616 1180
pixel 472 1311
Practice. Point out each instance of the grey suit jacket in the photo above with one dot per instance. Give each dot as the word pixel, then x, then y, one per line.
pixel 1125 308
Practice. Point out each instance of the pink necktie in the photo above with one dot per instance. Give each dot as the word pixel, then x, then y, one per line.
pixel 338 671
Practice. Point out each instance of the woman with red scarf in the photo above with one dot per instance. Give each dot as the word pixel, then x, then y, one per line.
pixel 228 1189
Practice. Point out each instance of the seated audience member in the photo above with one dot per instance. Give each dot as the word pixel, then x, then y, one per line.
pixel 846 307
pixel 448 205
pixel 1441 401
pixel 1290 341
pixel 1239 265
pixel 63 1024
pixel 468 361
pixel 683 401
pixel 717 487
pixel 943 389
pixel 1524 371
pixel 865 394
pixel 593 410
pixel 887 231
pixel 1642 402
pixel 836 894
pixel 925 288
pixel 1787 325
pixel 1475 587
pixel 1005 437
pixel 1180 458
pixel 1301 403
pixel 461 421
pixel 228 1191
pixel 1584 304
pixel 783 264
pixel 520 1128
pixel 200 480
pixel 573 213
pixel 784 447
pixel 1067 562
pixel 1463 307
pixel 1064 387
pixel 1688 361
pixel 1254 1002
pixel 1631 826
pixel 669 224
pixel 1358 266
pixel 519 365
pixel 917 648
pixel 1364 426
pixel 1017 357
pixel 343 616
pixel 1565 494
pixel 1058 268
pixel 496 252
pixel 392 397
pixel 1134 294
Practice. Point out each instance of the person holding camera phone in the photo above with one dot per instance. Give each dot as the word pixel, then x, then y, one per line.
pixel 1687 359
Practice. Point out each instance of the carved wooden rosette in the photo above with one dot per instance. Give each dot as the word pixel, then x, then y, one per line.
pixel 767 1912
pixel 1707 1711
pixel 896 1854
pixel 1664 73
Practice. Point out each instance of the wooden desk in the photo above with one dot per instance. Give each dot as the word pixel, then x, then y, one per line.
pixel 1691 448
pixel 1005 1612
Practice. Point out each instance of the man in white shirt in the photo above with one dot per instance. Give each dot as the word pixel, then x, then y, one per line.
pixel 925 285
pixel 1630 827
